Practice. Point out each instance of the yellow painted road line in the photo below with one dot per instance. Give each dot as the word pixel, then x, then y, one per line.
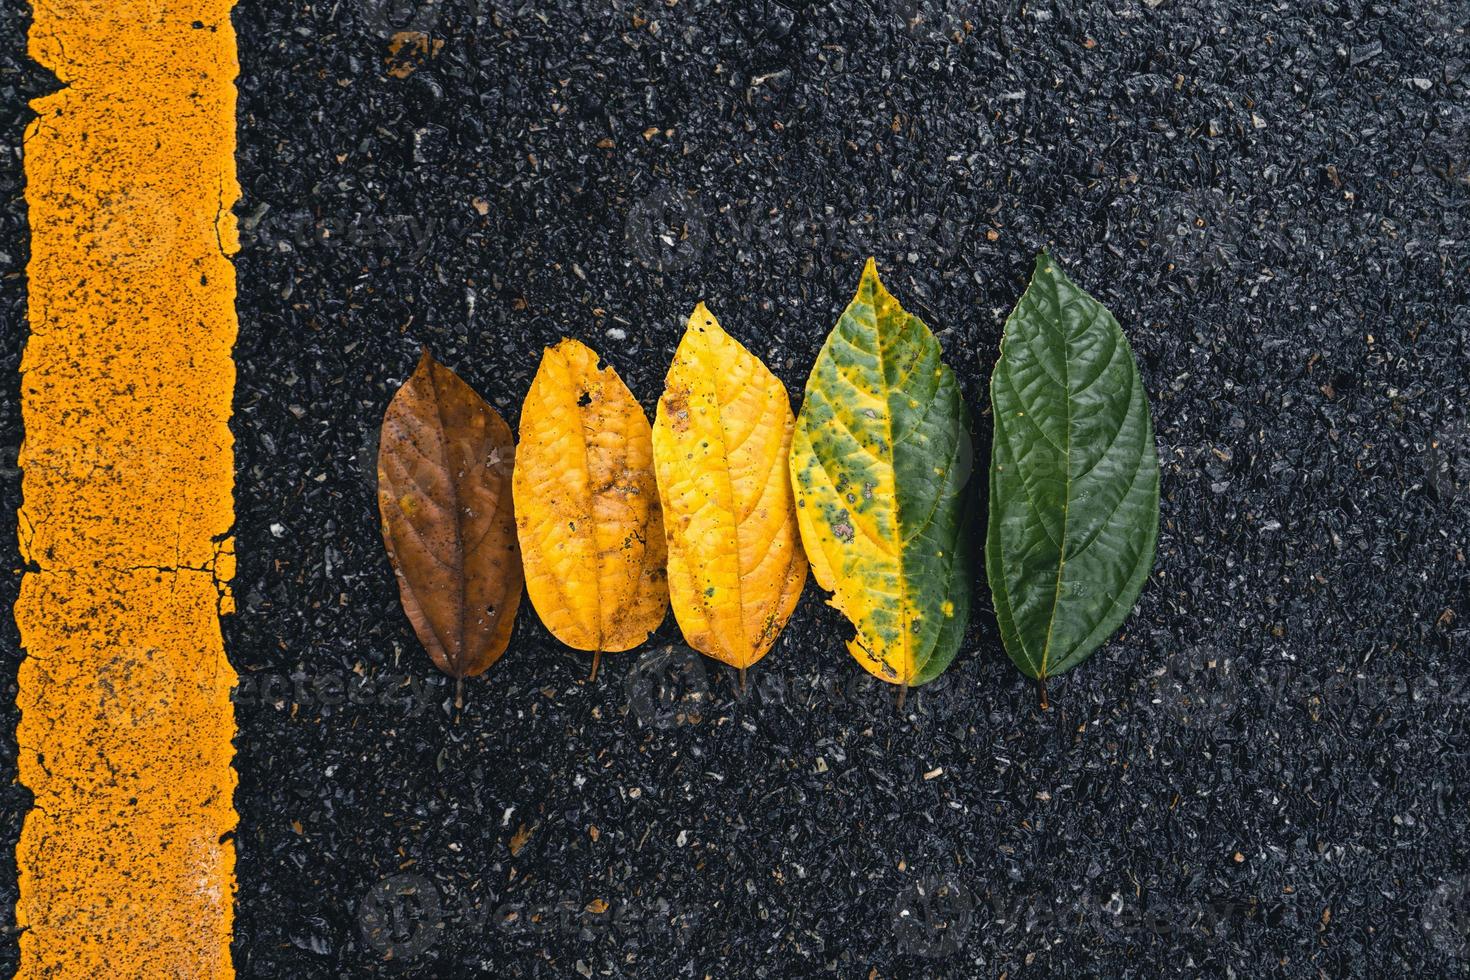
pixel 128 472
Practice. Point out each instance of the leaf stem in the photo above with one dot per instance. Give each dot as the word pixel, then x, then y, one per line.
pixel 742 681
pixel 596 659
pixel 903 695
pixel 1041 685
pixel 458 693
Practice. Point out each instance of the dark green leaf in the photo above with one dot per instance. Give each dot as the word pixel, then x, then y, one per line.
pixel 1074 478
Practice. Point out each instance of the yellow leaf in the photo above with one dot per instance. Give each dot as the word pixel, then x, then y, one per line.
pixel 587 511
pixel 720 443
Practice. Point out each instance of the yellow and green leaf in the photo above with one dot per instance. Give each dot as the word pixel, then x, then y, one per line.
pixel 879 462
pixel 587 511
pixel 721 439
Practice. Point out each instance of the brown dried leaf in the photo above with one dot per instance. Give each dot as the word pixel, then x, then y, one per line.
pixel 444 475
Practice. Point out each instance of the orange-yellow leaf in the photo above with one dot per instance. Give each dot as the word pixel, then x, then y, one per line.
pixel 720 443
pixel 587 513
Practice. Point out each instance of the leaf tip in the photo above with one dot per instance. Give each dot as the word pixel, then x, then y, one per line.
pixel 871 284
pixel 702 317
pixel 573 351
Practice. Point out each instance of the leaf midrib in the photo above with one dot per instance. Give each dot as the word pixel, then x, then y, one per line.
pixel 578 413
pixel 746 650
pixel 1056 598
pixel 461 583
pixel 911 661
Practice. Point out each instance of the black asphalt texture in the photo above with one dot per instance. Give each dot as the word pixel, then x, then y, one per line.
pixel 1263 774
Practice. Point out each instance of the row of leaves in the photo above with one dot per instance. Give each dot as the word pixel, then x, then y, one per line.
pixel 721 505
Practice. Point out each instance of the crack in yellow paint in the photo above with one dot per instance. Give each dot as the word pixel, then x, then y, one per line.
pixel 126 868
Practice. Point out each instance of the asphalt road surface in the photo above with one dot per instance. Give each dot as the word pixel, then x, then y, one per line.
pixel 1263 774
